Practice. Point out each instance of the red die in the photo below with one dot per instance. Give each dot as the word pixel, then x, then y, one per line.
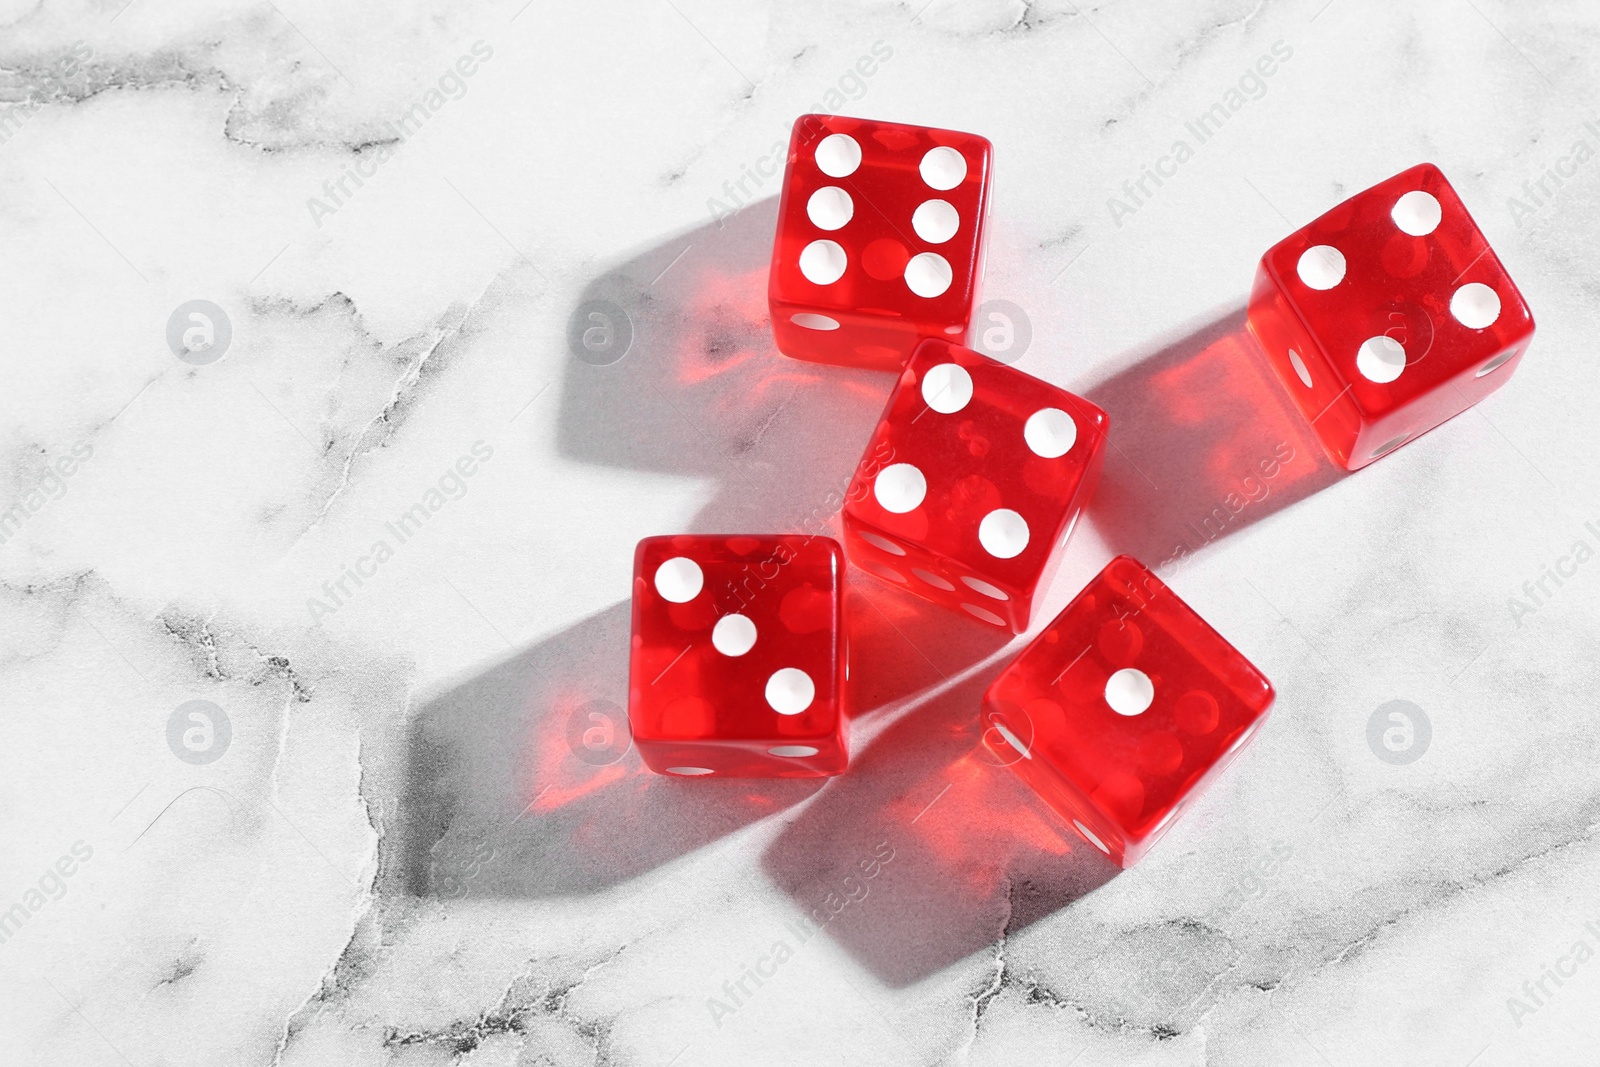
pixel 738 662
pixel 974 477
pixel 880 239
pixel 1124 709
pixel 1388 315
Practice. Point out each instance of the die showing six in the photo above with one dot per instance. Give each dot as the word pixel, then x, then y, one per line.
pixel 1384 318
pixel 879 242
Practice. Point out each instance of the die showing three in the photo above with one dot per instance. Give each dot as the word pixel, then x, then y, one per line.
pixel 738 662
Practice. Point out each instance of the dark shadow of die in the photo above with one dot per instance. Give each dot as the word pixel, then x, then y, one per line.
pixel 1204 442
pixel 522 781
pixel 673 369
pixel 929 850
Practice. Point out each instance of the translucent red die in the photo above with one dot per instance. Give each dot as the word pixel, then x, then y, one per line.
pixel 1388 315
pixel 1124 709
pixel 972 482
pixel 738 665
pixel 880 239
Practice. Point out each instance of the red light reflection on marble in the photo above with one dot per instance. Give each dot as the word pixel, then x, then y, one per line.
pixel 1203 443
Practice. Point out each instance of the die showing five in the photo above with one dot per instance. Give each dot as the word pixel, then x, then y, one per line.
pixel 1384 318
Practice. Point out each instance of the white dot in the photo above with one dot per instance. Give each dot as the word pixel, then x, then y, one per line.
pixel 985 588
pixel 823 262
pixel 928 274
pixel 1475 305
pixel 1300 370
pixel 1071 524
pixel 1093 838
pixel 936 221
pixel 689 770
pixel 830 207
pixel 983 613
pixel 943 168
pixel 1417 213
pixel 789 691
pixel 1050 432
pixel 813 321
pixel 900 487
pixel 733 635
pixel 1497 362
pixel 680 579
pixel 1321 266
pixel 882 570
pixel 1012 739
pixel 932 579
pixel 947 388
pixel 838 155
pixel 1129 691
pixel 1003 533
pixel 1390 446
pixel 884 543
pixel 792 750
pixel 1380 359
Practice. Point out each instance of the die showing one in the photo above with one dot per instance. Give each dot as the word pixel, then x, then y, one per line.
pixel 973 479
pixel 738 664
pixel 1124 709
pixel 1388 316
pixel 880 239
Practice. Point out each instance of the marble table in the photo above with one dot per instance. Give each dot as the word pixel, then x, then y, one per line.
pixel 314 640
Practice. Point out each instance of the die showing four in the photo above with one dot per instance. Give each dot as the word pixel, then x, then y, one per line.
pixel 738 665
pixel 1388 315
pixel 879 240
pixel 1124 709
pixel 972 482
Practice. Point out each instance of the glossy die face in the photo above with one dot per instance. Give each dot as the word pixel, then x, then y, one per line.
pixel 737 665
pixel 1388 315
pixel 880 239
pixel 1123 709
pixel 972 482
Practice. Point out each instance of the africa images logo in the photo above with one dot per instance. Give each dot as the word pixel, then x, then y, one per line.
pixel 51 885
pixel 451 485
pixel 199 332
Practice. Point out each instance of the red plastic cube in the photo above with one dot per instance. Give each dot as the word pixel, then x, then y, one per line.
pixel 880 239
pixel 1388 315
pixel 1124 709
pixel 738 665
pixel 972 482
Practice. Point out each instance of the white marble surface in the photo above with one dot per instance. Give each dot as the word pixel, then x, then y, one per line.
pixel 401 858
